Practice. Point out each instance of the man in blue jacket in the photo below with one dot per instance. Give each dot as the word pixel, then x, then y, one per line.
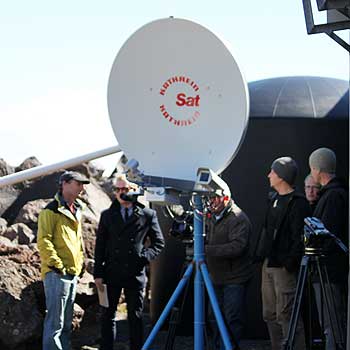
pixel 120 260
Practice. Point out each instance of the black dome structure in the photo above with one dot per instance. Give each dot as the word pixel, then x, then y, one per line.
pixel 289 116
pixel 299 97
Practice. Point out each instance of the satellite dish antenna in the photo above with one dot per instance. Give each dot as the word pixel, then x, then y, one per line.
pixel 177 99
pixel 178 104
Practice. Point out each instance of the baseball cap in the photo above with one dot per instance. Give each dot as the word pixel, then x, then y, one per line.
pixel 73 175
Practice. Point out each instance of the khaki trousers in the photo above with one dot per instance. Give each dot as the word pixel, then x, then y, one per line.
pixel 278 290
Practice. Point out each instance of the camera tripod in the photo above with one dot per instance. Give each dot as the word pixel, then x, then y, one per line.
pixel 314 258
pixel 176 317
pixel 201 279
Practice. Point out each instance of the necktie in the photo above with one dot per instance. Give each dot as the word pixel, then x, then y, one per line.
pixel 126 214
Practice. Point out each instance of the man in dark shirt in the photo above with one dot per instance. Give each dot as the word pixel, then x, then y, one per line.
pixel 120 259
pixel 332 209
pixel 283 248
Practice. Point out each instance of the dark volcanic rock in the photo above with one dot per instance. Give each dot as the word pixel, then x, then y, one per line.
pixel 43 188
pixel 7 242
pixel 3 225
pixel 46 187
pixel 22 299
pixel 78 314
pixel 86 291
pixel 29 213
pixel 89 234
pixel 5 169
pixel 20 319
pixel 89 331
pixel 28 163
pixel 8 196
pixel 20 233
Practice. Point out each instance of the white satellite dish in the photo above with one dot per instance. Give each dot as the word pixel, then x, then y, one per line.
pixel 177 100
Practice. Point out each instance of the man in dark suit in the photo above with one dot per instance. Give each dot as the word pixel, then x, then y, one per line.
pixel 120 260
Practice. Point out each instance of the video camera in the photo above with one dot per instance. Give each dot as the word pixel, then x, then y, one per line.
pixel 182 226
pixel 316 235
pixel 317 239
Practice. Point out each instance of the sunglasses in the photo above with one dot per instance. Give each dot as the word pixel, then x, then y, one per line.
pixel 122 189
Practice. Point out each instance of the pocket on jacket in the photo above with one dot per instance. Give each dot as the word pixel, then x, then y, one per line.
pixel 263 245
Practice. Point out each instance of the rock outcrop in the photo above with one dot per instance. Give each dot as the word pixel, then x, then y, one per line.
pixel 22 300
pixel 29 213
pixel 20 316
pixel 19 233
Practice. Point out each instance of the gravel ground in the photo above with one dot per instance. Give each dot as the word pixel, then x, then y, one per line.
pixel 181 342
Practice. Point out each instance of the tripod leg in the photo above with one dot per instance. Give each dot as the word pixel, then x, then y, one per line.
pixel 333 320
pixel 214 303
pixel 198 310
pixel 173 322
pixel 168 307
pixel 175 317
pixel 309 315
pixel 297 302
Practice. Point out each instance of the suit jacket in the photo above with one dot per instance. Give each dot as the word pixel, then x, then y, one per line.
pixel 120 251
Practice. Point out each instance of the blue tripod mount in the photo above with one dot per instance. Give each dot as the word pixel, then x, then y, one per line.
pixel 202 279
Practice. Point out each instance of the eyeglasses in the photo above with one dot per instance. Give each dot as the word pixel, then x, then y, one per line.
pixel 122 189
pixel 309 187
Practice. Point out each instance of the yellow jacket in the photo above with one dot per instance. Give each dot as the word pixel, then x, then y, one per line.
pixel 60 240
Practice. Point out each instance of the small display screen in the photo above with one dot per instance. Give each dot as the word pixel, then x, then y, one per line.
pixel 204 177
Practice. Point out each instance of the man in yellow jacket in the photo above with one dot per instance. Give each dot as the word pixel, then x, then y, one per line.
pixel 60 245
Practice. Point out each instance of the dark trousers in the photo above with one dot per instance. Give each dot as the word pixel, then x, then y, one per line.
pixel 231 302
pixel 134 300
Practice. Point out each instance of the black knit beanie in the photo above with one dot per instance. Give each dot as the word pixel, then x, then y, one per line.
pixel 286 168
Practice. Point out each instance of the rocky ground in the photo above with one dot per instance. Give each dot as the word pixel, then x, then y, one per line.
pixel 91 339
pixel 22 302
pixel 180 342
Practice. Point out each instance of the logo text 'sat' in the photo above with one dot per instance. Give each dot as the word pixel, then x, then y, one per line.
pixel 186 104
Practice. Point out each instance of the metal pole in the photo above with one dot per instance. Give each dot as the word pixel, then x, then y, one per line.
pixel 198 281
pixel 48 169
pixel 348 323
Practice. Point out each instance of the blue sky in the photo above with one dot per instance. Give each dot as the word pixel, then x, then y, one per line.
pixel 56 57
